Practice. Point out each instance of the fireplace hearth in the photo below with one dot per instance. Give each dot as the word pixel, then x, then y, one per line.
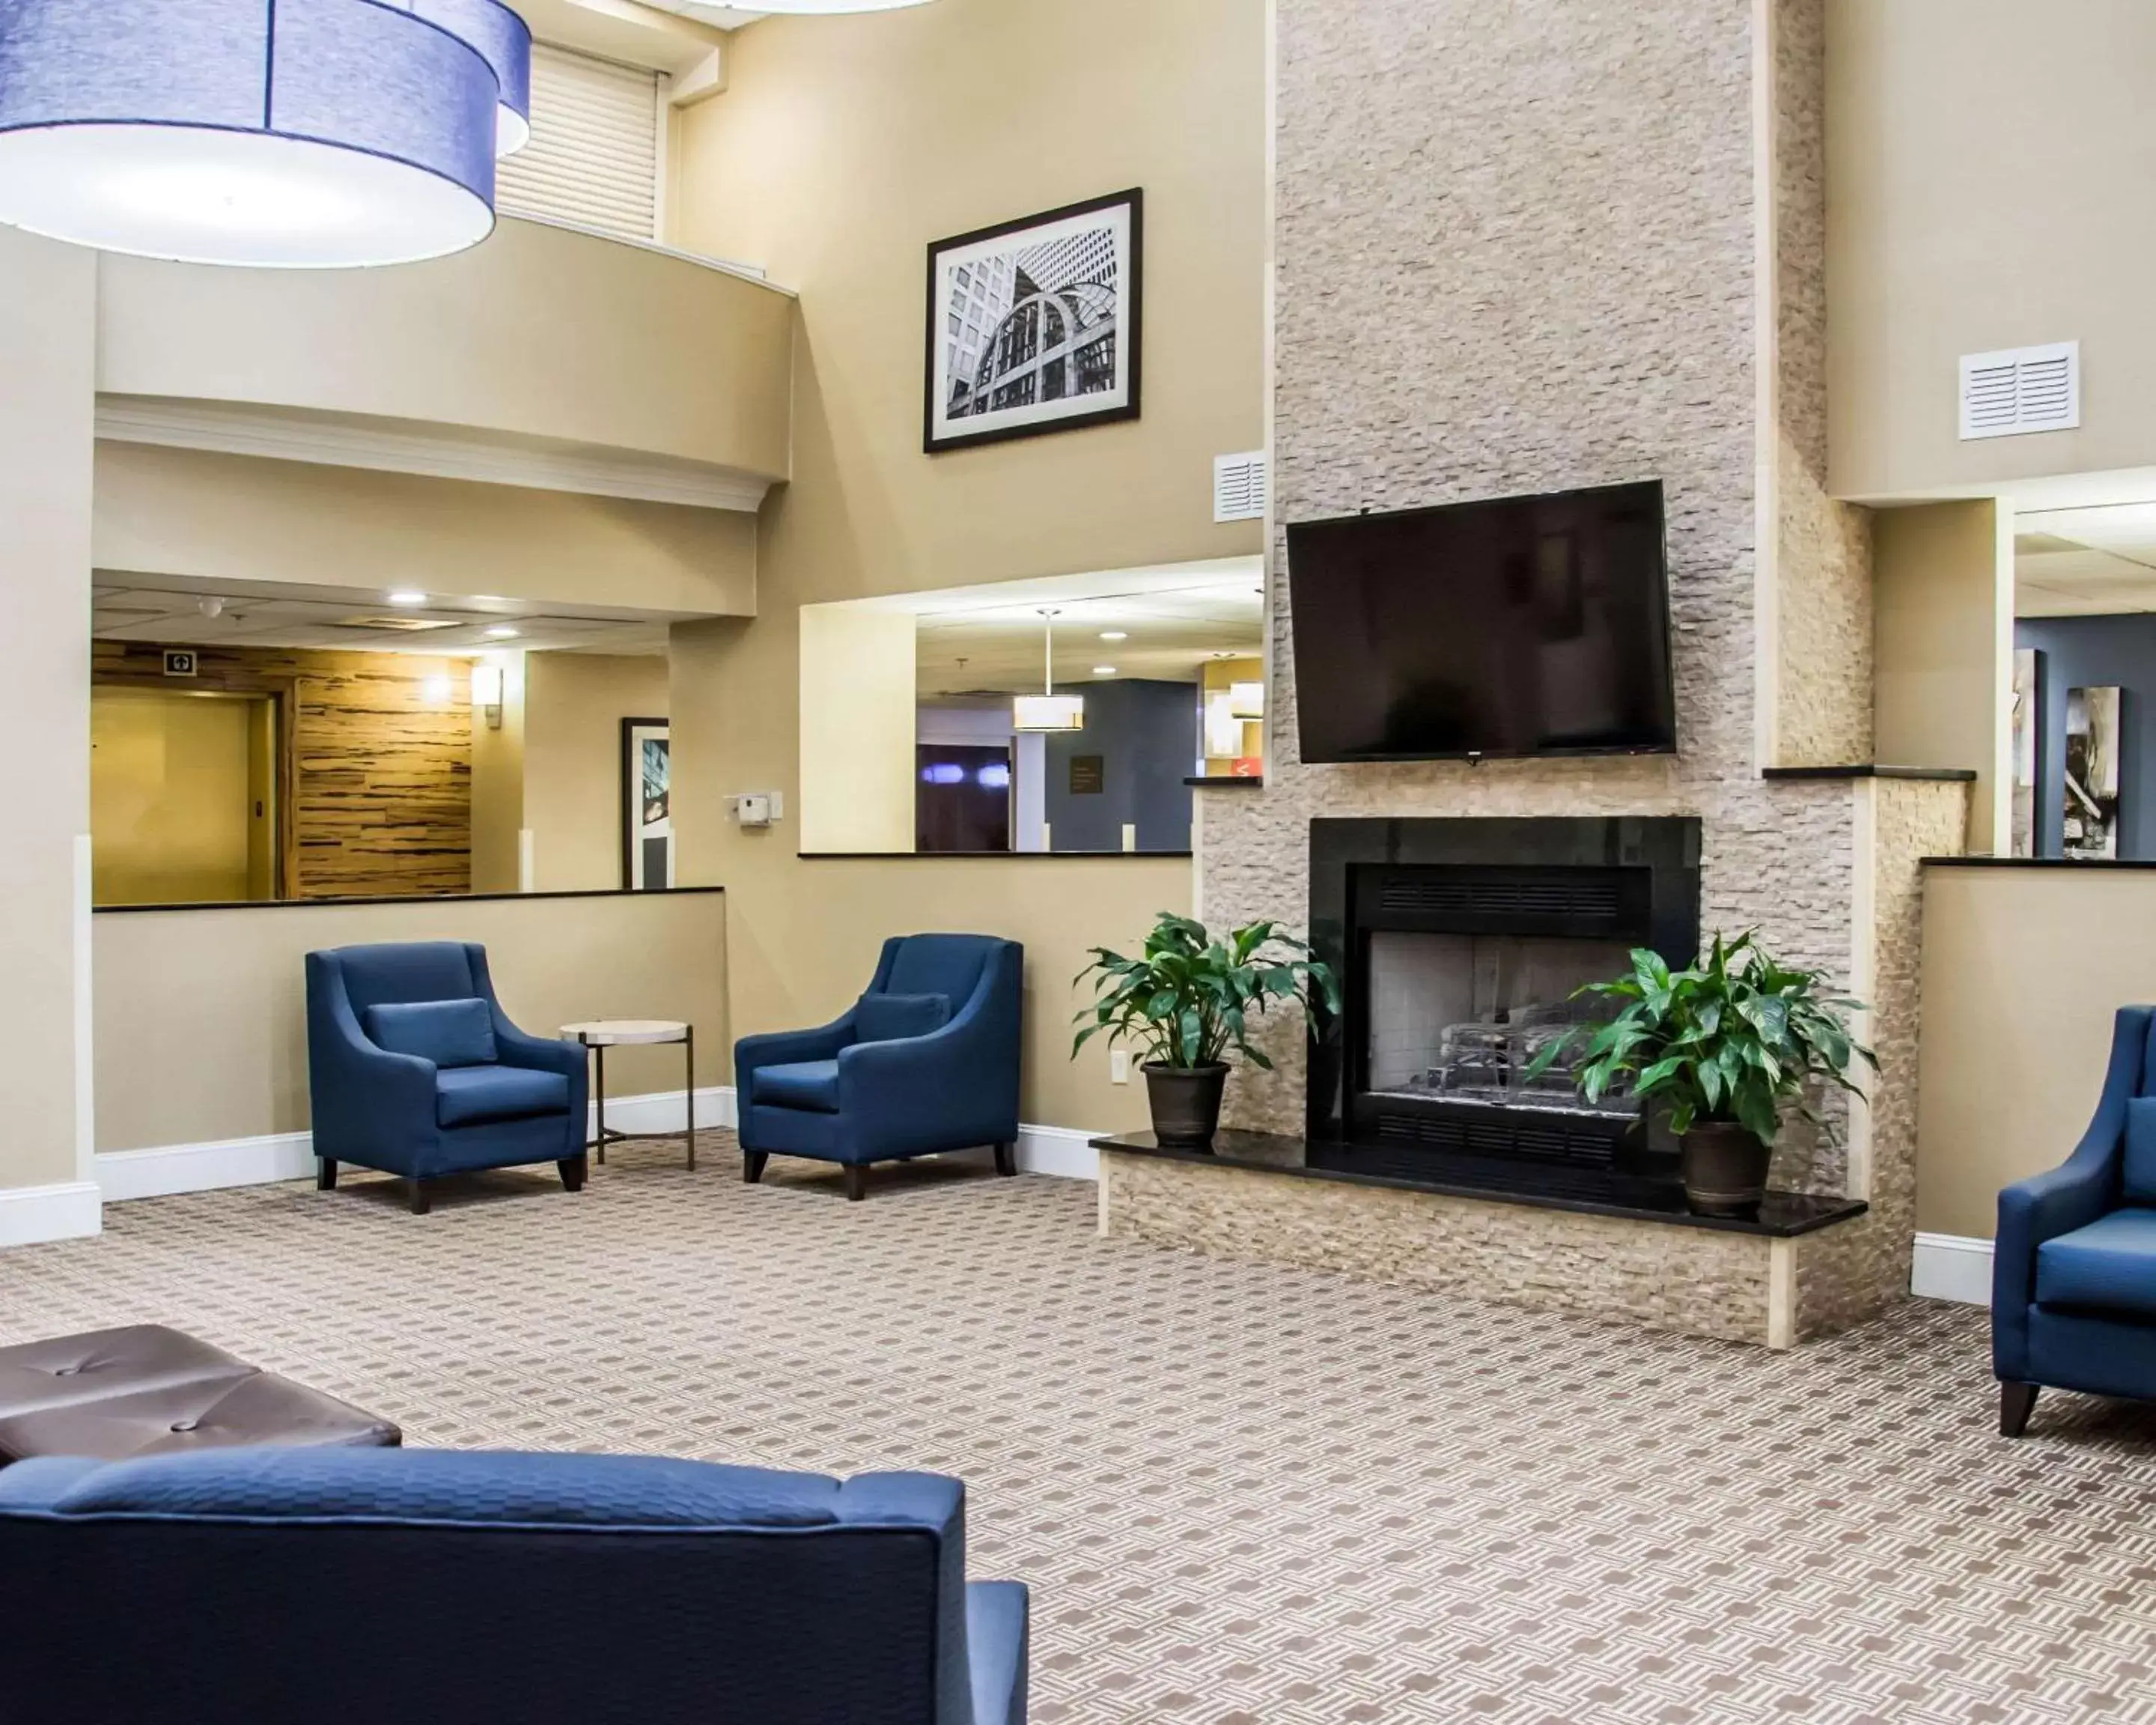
pixel 1460 944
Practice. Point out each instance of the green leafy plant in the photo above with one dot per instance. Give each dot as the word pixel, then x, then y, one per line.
pixel 1730 1040
pixel 1189 1000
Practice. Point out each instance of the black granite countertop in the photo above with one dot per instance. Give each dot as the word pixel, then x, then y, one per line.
pixel 1651 1195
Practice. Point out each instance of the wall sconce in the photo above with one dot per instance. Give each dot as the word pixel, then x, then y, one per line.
pixel 1247 700
pixel 486 680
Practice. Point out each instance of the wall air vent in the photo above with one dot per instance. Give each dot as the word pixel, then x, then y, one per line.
pixel 2020 390
pixel 1239 487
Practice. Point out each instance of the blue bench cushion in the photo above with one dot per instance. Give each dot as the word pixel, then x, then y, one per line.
pixel 461 1487
pixel 805 1084
pixel 2110 1265
pixel 896 1017
pixel 470 1095
pixel 450 1033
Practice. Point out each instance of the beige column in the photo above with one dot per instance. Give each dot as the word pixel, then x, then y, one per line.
pixel 48 394
pixel 857 729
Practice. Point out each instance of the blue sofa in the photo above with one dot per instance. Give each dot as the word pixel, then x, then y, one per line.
pixel 259 1587
pixel 414 1069
pixel 2073 1270
pixel 926 1060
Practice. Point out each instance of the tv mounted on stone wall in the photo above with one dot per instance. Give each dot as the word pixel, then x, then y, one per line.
pixel 1521 626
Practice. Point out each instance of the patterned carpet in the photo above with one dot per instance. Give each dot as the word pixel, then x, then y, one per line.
pixel 1242 1496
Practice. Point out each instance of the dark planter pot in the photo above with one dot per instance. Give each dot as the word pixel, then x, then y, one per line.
pixel 1725 1168
pixel 1186 1103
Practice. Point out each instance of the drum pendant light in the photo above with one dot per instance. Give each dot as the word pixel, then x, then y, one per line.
pixel 297 133
pixel 1048 711
pixel 504 41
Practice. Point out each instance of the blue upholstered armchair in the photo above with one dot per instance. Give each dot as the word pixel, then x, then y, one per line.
pixel 415 1069
pixel 487 1589
pixel 926 1060
pixel 2073 1271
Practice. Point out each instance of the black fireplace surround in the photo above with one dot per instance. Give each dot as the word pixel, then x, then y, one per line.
pixel 1497 920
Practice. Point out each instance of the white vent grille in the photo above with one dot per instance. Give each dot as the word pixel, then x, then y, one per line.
pixel 1239 487
pixel 593 157
pixel 2021 389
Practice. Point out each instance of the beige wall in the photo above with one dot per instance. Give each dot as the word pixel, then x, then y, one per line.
pixel 841 147
pixel 2023 969
pixel 1988 165
pixel 202 1014
pixel 540 332
pixel 236 518
pixel 574 704
pixel 497 781
pixel 47 294
pixel 1943 618
pixel 858 724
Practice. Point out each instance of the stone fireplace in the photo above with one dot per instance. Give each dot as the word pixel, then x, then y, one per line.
pixel 1460 944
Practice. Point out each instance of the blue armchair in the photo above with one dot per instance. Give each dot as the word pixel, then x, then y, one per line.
pixel 490 1588
pixel 926 1060
pixel 414 1069
pixel 2073 1270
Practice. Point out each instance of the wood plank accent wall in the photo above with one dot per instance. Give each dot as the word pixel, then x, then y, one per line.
pixel 377 775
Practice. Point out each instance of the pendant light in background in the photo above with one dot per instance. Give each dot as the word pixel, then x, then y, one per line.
pixel 1048 711
pixel 294 134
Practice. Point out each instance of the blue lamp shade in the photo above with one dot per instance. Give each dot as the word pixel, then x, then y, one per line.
pixel 504 41
pixel 276 133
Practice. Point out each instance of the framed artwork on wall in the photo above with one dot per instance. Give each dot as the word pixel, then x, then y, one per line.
pixel 2090 780
pixel 2028 742
pixel 1033 324
pixel 647 805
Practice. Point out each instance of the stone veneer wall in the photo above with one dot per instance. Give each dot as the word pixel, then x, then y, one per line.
pixel 1517 250
pixel 1818 598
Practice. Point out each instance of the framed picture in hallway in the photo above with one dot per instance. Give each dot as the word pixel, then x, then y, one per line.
pixel 1034 325
pixel 2091 781
pixel 647 806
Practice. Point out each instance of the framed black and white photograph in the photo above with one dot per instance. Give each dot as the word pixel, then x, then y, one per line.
pixel 2090 815
pixel 1034 325
pixel 647 806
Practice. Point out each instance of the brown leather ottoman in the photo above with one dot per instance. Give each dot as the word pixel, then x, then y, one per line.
pixel 147 1390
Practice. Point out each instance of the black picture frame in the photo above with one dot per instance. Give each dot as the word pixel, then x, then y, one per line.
pixel 634 733
pixel 1130 345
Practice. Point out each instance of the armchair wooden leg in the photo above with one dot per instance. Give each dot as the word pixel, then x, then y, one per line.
pixel 573 1169
pixel 752 1163
pixel 415 1194
pixel 857 1181
pixel 2016 1401
pixel 326 1174
pixel 1006 1158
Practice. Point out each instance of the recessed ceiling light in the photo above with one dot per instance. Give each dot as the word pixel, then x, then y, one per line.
pixel 501 632
pixel 1114 634
pixel 1104 671
pixel 408 597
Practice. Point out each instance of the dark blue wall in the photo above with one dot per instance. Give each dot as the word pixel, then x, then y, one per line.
pixel 2089 653
pixel 1147 734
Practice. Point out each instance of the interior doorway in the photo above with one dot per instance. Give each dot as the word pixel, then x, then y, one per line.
pixel 183 797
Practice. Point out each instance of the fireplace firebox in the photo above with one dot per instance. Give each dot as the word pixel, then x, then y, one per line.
pixel 1460 944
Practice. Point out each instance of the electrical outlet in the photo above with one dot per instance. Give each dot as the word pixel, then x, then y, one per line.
pixel 1119 1066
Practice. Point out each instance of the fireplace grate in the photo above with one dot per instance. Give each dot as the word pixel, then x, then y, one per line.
pixel 1509 1134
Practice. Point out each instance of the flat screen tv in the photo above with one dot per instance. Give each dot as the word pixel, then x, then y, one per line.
pixel 1521 626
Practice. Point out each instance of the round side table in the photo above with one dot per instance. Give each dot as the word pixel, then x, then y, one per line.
pixel 600 1034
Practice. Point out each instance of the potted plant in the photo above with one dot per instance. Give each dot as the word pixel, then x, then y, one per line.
pixel 1188 1002
pixel 1725 1047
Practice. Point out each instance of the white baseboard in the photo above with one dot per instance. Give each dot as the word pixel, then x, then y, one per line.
pixel 123 1175
pixel 1059 1150
pixel 170 1168
pixel 1949 1266
pixel 30 1214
